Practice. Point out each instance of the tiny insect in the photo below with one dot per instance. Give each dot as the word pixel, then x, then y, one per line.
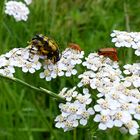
pixel 109 52
pixel 45 47
pixel 74 46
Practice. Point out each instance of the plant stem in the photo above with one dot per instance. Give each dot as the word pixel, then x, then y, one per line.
pixel 51 93
pixel 127 20
pixel 40 89
pixel 127 25
pixel 74 134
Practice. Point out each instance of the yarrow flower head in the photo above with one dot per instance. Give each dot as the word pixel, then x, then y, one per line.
pixel 17 9
pixel 22 58
pixel 65 66
pixel 132 69
pixel 30 61
pixel 132 126
pixel 132 73
pixel 75 111
pixel 127 39
pixel 68 94
pixel 119 96
pixel 102 72
pixel 117 106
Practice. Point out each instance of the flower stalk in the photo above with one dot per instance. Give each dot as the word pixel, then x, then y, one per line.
pixel 127 24
pixel 40 89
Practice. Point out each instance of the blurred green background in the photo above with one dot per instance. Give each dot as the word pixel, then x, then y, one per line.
pixel 28 115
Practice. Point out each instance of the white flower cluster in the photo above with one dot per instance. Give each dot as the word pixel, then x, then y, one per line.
pixel 127 39
pixel 17 9
pixel 133 75
pixel 19 57
pixel 65 66
pixel 118 103
pixel 75 111
pixel 30 61
pixel 119 107
pixel 103 72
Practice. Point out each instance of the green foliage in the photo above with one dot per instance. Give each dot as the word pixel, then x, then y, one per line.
pixel 25 115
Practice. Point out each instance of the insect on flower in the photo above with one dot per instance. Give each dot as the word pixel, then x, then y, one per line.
pixel 45 47
pixel 74 46
pixel 109 52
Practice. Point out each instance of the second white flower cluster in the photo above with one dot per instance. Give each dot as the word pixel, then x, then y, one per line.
pixel 31 62
pixel 127 39
pixel 75 111
pixel 118 93
pixel 18 10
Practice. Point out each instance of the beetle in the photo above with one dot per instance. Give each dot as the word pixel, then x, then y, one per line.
pixel 74 46
pixel 46 47
pixel 109 52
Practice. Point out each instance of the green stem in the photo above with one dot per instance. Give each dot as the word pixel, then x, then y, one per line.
pixel 127 25
pixel 51 93
pixel 40 89
pixel 74 134
pixel 127 19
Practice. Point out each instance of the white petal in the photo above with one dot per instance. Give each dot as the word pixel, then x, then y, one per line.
pixel 136 83
pixel 24 69
pixel 88 101
pixel 97 118
pixel 97 108
pixel 127 66
pixel 137 52
pixel 61 73
pixel 75 124
pixel 53 75
pixel 114 39
pixel 68 74
pixel 85 90
pixel 102 126
pixel 92 85
pixel 135 124
pixel 133 131
pixel 127 83
pixel 105 112
pixel 118 45
pixel 74 72
pixel 48 78
pixel 69 98
pixel 126 117
pixel 137 116
pixel 112 34
pixel 117 123
pixel 90 111
pixel 42 75
pixel 83 122
pixel 58 125
pixel 80 84
pixel 110 124
pixel 126 72
pixel 31 70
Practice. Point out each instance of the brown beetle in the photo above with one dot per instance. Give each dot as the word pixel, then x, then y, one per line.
pixel 74 46
pixel 109 52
